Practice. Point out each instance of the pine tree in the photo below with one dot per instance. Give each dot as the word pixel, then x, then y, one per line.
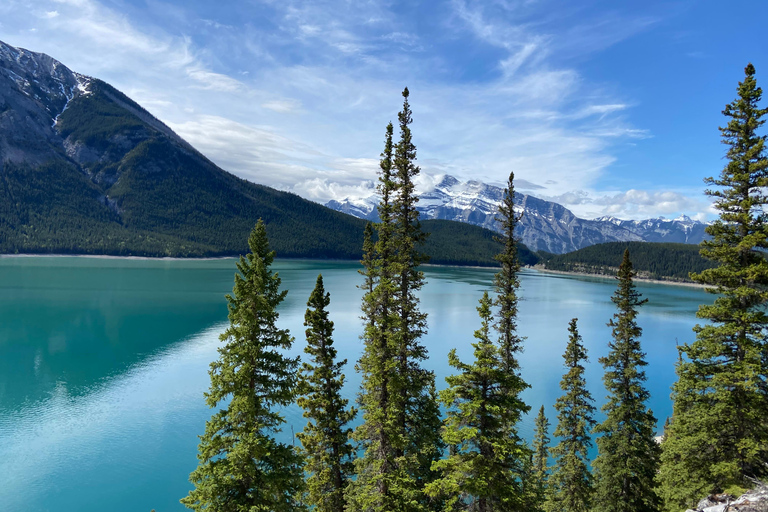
pixel 415 408
pixel 510 343
pixel 540 461
pixel 571 481
pixel 325 439
pixel 400 434
pixel 375 484
pixel 628 455
pixel 478 474
pixel 242 466
pixel 507 283
pixel 718 434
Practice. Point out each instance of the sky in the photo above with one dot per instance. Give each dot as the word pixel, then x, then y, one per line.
pixel 606 107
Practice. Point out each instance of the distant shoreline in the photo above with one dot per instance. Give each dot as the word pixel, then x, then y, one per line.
pixel 537 268
pixel 112 257
pixel 603 276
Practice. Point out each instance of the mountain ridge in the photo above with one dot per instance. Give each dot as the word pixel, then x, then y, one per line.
pixel 544 225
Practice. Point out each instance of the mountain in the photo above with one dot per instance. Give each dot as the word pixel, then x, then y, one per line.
pixel 682 230
pixel 85 169
pixel 545 226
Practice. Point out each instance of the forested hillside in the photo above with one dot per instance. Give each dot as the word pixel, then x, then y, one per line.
pixel 651 260
pixel 86 170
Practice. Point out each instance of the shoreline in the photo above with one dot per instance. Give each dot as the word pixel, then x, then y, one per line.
pixel 209 258
pixel 112 257
pixel 636 279
pixel 536 268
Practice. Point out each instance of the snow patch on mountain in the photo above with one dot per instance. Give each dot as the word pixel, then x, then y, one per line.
pixel 544 225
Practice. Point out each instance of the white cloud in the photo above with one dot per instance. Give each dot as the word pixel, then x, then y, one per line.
pixel 282 105
pixel 535 118
pixel 213 81
pixel 636 204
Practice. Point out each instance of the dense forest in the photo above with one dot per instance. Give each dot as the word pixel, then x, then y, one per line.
pixel 665 261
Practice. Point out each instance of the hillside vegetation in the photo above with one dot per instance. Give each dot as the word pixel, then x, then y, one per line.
pixel 665 261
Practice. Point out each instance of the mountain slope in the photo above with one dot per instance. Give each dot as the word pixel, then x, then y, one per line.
pixel 668 261
pixel 544 225
pixel 84 169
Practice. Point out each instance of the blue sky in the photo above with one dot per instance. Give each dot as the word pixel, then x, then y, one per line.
pixel 610 108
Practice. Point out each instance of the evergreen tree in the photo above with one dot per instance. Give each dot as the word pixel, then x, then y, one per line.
pixel 400 434
pixel 242 466
pixel 628 455
pixel 510 343
pixel 415 407
pixel 478 473
pixel 540 461
pixel 571 481
pixel 376 483
pixel 718 435
pixel 507 283
pixel 325 439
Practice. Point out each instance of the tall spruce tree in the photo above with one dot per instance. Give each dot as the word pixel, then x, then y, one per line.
pixel 479 473
pixel 571 482
pixel 242 465
pixel 400 434
pixel 510 343
pixel 507 282
pixel 328 453
pixel 628 455
pixel 540 462
pixel 415 408
pixel 718 435
pixel 376 483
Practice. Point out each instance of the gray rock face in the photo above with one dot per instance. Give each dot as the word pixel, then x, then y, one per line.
pixel 34 90
pixel 755 500
pixel 544 226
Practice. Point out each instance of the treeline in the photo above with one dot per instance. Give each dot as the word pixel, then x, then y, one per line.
pixel 407 456
pixel 665 261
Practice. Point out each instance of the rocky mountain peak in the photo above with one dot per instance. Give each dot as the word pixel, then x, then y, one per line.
pixel 544 226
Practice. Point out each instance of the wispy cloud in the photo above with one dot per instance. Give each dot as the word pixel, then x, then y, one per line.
pixel 296 94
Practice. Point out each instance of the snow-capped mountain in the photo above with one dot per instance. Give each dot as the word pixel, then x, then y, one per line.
pixel 39 89
pixel 544 225
pixel 683 229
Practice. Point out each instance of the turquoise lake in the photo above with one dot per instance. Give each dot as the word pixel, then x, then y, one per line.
pixel 103 362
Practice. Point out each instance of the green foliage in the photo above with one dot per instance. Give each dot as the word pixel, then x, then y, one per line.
pixel 400 434
pixel 506 283
pixel 325 439
pixel 628 456
pixel 100 119
pixel 718 436
pixel 540 462
pixel 414 402
pixel 571 481
pixel 377 473
pixel 457 243
pixel 651 260
pixel 480 471
pixel 242 466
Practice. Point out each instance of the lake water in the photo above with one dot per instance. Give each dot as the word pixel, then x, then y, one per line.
pixel 103 362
